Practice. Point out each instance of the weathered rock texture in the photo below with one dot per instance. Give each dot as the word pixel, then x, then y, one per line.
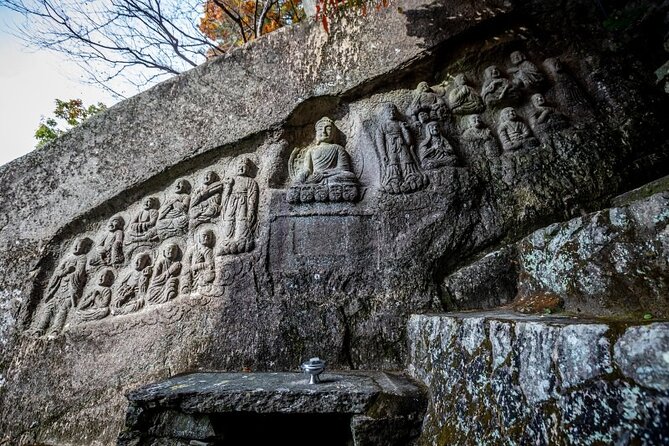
pixel 126 260
pixel 508 379
pixel 227 408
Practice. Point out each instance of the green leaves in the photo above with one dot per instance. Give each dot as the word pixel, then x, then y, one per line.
pixel 68 113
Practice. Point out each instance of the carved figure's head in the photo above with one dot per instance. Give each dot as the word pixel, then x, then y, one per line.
pixel 492 72
pixel 116 223
pixel 142 261
pixel 106 278
pixel 389 111
pixel 553 65
pixel 433 128
pixel 335 192
pixel 81 246
pixel 460 80
pixel 171 251
pixel 182 187
pixel 423 87
pixel 475 122
pixel 538 100
pixel 517 57
pixel 211 177
pixel 244 167
pixel 509 114
pixel 325 130
pixel 150 203
pixel 423 117
pixel 207 238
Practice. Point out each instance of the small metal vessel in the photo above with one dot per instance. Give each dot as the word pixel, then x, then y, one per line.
pixel 314 367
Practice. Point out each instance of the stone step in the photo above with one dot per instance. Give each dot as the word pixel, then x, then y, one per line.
pixel 503 378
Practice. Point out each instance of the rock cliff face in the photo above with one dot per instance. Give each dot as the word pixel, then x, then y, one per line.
pixel 306 194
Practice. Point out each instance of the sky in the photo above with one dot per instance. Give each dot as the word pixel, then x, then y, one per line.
pixel 30 81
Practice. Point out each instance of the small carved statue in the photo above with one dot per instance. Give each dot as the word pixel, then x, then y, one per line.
pixel 567 92
pixel 496 89
pixel 142 228
pixel 206 200
pixel 199 271
pixel 426 100
pixel 513 133
pixel 109 250
pixel 544 118
pixel 477 136
pixel 64 289
pixel 133 287
pixel 524 73
pixel 393 141
pixel 435 150
pixel 95 305
pixel 173 217
pixel 325 164
pixel 463 99
pixel 164 284
pixel 241 208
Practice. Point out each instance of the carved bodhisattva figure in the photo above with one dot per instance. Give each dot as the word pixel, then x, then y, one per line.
pixel 325 165
pixel 142 227
pixel 435 150
pixel 544 118
pixel 95 305
pixel 164 284
pixel 566 91
pixel 109 250
pixel 524 73
pixel 463 99
pixel 426 100
pixel 513 133
pixel 400 173
pixel 496 89
pixel 64 289
pixel 206 200
pixel 173 217
pixel 241 208
pixel 133 287
pixel 199 267
pixel 478 139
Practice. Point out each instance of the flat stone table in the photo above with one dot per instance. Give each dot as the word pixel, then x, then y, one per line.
pixel 361 408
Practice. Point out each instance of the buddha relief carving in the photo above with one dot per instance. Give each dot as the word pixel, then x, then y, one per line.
pixel 543 118
pixel 64 289
pixel 524 74
pixel 434 150
pixel 109 249
pixel 164 283
pixel 513 133
pixel 142 227
pixel 95 305
pixel 497 90
pixel 565 90
pixel 427 101
pixel 324 165
pixel 478 139
pixel 173 216
pixel 206 200
pixel 199 268
pixel 463 99
pixel 133 287
pixel 241 208
pixel 394 143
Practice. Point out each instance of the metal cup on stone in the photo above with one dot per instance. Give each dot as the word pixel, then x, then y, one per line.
pixel 314 367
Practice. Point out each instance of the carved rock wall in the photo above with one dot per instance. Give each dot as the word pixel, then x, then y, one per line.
pixel 218 222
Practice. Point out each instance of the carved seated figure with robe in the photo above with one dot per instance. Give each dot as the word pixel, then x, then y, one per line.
pixel 164 284
pixel 173 217
pixel 199 268
pixel 142 227
pixel 240 196
pixel 463 99
pixel 109 250
pixel 524 73
pixel 435 150
pixel 205 202
pixel 400 172
pixel 95 305
pixel 324 164
pixel 544 118
pixel 133 287
pixel 478 139
pixel 426 100
pixel 513 133
pixel 64 289
pixel 496 90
